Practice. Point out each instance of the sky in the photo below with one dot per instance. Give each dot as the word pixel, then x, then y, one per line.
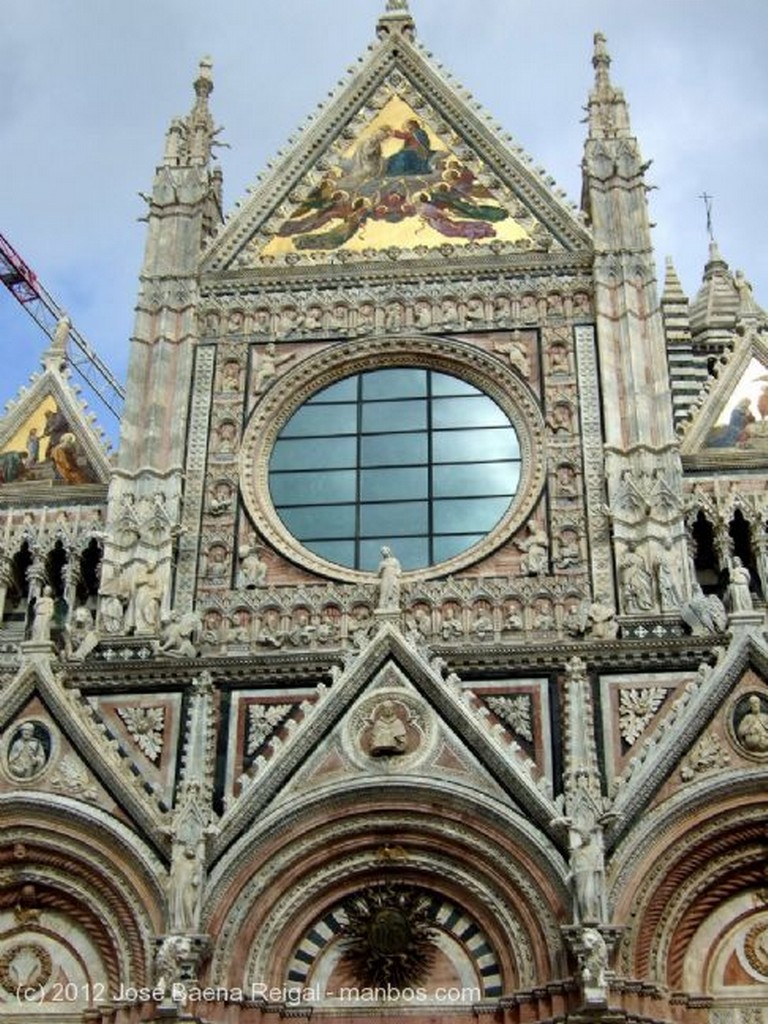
pixel 90 86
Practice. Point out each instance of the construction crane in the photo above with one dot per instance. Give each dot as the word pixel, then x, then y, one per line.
pixel 22 282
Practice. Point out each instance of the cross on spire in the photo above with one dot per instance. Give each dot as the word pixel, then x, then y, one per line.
pixel 708 207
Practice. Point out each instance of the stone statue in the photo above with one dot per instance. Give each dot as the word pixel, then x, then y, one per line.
pixel 145 598
pixel 180 635
pixel 252 572
pixel 704 613
pixel 184 887
pixel 27 755
pixel 594 962
pixel 739 596
pixel 636 581
pixel 44 609
pixel 669 595
pixel 535 548
pixel 173 950
pixel 388 733
pixel 752 730
pixel 389 586
pixel 587 869
pixel 81 636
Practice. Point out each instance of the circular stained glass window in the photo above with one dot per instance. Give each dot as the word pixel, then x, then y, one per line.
pixel 408 457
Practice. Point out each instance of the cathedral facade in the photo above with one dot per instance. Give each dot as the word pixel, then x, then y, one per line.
pixel 409 659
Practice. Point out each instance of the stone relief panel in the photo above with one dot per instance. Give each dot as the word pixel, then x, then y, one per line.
pixel 257 723
pixel 521 709
pixel 632 705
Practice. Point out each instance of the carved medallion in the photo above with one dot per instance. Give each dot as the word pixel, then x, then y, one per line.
pixel 27 751
pixel 748 725
pixel 390 728
pixel 756 948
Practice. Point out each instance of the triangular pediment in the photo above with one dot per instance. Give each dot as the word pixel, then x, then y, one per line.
pixel 48 440
pixel 397 162
pixel 54 741
pixel 698 736
pixel 392 714
pixel 731 425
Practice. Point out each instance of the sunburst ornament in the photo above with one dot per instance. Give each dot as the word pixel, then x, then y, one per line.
pixel 388 940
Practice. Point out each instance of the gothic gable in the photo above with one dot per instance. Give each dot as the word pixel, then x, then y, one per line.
pixel 47 439
pixel 396 162
pixel 53 740
pixel 709 729
pixel 393 709
pixel 731 425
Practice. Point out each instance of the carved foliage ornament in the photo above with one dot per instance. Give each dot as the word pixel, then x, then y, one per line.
pixel 145 726
pixel 388 939
pixel 636 710
pixel 263 719
pixel 515 712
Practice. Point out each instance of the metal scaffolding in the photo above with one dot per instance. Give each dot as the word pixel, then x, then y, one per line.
pixel 22 282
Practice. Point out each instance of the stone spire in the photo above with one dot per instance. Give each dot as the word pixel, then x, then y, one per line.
pixel 396 20
pixel 608 112
pixel 189 140
pixel 640 440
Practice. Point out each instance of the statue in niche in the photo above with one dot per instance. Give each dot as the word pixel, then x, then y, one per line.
pixel 231 375
pixel 513 618
pixel 669 595
pixel 270 634
pixel 543 617
pixel 252 572
pixel 268 365
pixel 421 622
pixel 27 753
pixel 535 548
pixel 220 501
pixel 561 420
pixel 216 562
pixel 388 733
pixel 601 619
pixel 148 586
pixel 558 358
pixel 636 581
pixel 482 625
pixel 360 625
pixel 389 581
pixel 567 485
pixel 739 596
pixel 568 550
pixel 328 627
pixel 226 436
pixel 450 625
pixel 752 730
pixel 302 630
